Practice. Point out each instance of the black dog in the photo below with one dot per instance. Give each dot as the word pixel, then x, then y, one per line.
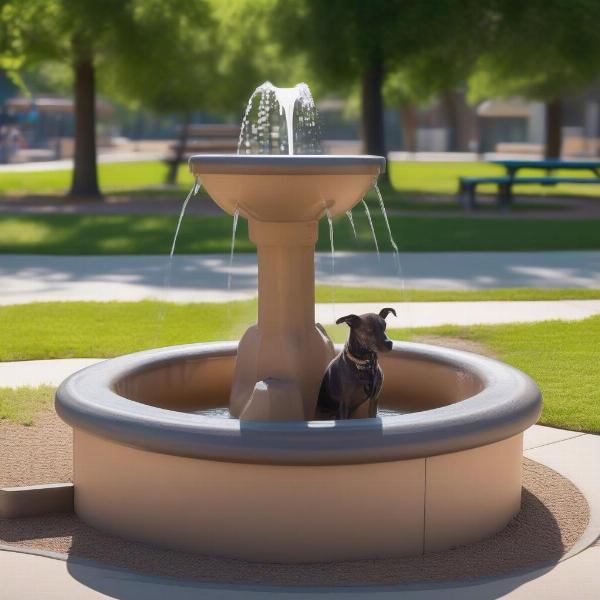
pixel 354 376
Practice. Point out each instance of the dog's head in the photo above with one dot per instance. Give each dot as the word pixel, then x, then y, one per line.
pixel 369 329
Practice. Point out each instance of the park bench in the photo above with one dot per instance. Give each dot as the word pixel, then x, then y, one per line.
pixel 205 138
pixel 467 186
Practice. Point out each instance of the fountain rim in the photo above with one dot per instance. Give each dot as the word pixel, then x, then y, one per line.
pixel 284 164
pixel 509 402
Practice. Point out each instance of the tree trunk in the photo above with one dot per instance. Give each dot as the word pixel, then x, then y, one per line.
pixel 372 110
pixel 553 129
pixel 85 177
pixel 452 119
pixel 171 178
pixel 409 120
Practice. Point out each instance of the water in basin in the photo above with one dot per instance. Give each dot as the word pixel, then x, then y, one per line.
pixel 222 412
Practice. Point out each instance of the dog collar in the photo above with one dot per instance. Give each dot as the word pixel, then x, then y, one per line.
pixel 360 363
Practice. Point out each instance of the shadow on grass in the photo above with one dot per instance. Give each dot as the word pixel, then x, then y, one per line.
pixel 152 234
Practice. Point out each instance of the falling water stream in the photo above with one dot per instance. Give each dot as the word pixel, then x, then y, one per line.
pixel 351 219
pixel 330 222
pixel 169 267
pixel 287 99
pixel 236 215
pixel 193 192
pixel 368 214
pixel 387 224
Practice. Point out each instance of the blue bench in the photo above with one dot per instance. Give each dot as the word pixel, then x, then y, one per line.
pixel 467 186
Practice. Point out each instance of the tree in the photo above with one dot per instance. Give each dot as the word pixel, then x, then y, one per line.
pixel 344 41
pixel 540 50
pixel 399 90
pixel 133 44
pixel 429 46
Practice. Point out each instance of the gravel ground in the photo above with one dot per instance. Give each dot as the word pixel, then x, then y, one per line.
pixel 36 454
pixel 553 516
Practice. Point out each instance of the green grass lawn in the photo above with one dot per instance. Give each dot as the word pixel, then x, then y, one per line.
pixel 561 356
pixel 124 177
pixel 325 293
pixel 152 234
pixel 21 404
pixel 407 177
pixel 412 178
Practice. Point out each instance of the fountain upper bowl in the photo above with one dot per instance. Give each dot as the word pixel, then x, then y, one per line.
pixel 286 188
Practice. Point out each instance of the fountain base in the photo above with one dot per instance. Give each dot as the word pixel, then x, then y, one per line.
pixel 288 514
pixel 446 473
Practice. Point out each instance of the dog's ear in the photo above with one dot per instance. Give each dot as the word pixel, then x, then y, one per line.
pixel 384 312
pixel 351 320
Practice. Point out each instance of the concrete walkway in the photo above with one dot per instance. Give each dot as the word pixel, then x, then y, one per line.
pixel 41 372
pixel 67 163
pixel 203 278
pixel 431 314
pixel 32 576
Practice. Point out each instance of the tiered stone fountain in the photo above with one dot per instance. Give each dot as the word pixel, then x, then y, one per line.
pixel 271 484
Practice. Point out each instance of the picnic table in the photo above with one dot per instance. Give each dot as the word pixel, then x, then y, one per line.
pixel 468 185
pixel 512 166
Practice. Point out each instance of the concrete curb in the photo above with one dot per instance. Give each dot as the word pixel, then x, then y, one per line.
pixel 36 500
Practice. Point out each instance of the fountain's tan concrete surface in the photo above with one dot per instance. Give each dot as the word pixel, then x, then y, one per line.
pixel 285 345
pixel 297 514
pixel 273 485
pixel 284 189
pixel 283 357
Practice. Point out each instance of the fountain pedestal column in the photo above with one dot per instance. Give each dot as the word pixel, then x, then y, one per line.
pixel 281 360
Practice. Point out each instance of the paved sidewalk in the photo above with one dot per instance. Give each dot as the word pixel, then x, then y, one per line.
pixel 31 577
pixel 67 163
pixel 431 314
pixel 196 278
pixel 40 372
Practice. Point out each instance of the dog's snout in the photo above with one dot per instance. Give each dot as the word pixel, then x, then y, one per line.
pixel 388 344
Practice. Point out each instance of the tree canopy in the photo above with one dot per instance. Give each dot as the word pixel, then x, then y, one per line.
pixel 539 49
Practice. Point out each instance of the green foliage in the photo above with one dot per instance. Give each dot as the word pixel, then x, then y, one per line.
pixel 425 47
pixel 249 52
pixel 158 51
pixel 539 49
pixel 160 55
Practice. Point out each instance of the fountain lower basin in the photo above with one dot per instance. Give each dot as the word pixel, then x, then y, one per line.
pixel 147 468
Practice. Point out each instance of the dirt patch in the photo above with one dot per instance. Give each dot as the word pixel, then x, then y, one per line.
pixel 553 516
pixel 454 342
pixel 36 454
